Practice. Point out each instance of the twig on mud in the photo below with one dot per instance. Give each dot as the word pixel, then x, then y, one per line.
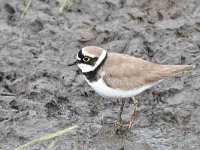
pixel 66 3
pixel 7 94
pixel 6 43
pixel 26 8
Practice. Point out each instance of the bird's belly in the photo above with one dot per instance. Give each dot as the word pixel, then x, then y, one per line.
pixel 102 89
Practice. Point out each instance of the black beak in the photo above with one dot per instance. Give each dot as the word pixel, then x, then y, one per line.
pixel 74 62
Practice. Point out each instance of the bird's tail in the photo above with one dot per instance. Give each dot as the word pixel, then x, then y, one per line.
pixel 170 70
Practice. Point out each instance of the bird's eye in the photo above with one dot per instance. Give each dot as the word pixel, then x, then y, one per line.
pixel 86 59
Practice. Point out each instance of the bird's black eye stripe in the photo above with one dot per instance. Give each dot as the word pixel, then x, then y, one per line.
pixel 91 62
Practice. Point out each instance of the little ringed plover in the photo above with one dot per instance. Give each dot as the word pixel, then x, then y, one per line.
pixel 121 76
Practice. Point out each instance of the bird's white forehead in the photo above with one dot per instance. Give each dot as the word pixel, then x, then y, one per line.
pixel 78 58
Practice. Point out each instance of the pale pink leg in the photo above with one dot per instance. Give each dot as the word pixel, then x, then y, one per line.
pixel 135 102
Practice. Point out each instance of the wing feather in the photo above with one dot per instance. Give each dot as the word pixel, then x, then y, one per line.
pixel 128 72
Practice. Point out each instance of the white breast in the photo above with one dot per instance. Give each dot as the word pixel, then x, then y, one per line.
pixel 102 89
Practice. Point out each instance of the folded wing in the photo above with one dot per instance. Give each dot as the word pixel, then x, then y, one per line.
pixel 128 72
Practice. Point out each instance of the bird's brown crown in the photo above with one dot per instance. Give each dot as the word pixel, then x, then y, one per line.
pixel 92 51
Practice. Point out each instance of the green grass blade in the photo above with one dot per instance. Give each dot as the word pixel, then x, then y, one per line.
pixel 66 3
pixel 26 8
pixel 46 137
pixel 51 145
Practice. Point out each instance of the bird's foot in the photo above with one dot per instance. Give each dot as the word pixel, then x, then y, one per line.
pixel 124 125
pixel 122 128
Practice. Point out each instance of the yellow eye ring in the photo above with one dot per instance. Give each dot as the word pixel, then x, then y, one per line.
pixel 86 59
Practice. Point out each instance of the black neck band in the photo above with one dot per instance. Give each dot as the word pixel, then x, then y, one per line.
pixel 92 75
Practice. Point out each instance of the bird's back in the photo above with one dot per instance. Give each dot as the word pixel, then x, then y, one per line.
pixel 128 72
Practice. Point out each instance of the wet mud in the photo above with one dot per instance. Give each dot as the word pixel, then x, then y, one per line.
pixel 40 93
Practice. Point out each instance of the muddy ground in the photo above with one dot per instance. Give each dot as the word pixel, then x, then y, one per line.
pixel 41 94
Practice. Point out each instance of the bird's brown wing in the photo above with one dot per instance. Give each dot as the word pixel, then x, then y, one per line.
pixel 128 72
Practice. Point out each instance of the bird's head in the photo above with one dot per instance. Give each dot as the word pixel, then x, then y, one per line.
pixel 90 57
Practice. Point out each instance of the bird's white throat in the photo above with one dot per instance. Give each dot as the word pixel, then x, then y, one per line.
pixel 87 68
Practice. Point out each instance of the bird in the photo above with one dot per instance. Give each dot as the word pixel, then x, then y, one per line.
pixel 115 75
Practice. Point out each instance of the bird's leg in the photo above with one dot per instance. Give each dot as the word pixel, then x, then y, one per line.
pixel 120 112
pixel 135 102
